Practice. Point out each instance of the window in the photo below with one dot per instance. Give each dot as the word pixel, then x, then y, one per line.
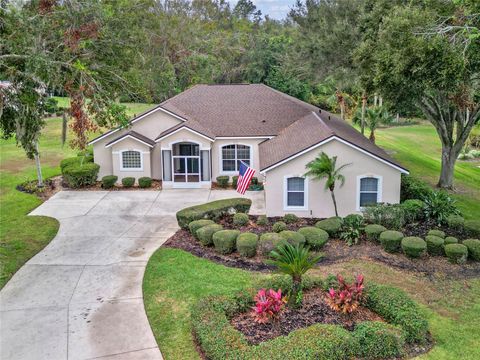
pixel 295 193
pixel 369 191
pixel 131 160
pixel 232 155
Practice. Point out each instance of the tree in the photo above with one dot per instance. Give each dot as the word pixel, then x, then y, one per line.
pixel 374 116
pixel 324 167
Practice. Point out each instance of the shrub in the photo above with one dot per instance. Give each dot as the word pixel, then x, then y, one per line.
pixel 234 181
pixel 212 210
pixel 472 227
pixel 435 245
pixel 197 224
pixel 205 233
pixel 290 218
pixel 413 188
pixel 413 209
pixel 145 182
pixel 455 222
pixel 81 175
pixel 473 246
pixel 351 229
pixel 128 181
pixel 438 233
pixel 391 240
pixel 439 206
pixel 222 181
pixel 347 297
pixel 378 340
pixel 254 180
pixel 450 240
pixel 316 238
pixel 292 237
pixel 279 226
pixel 247 244
pixel 269 305
pixel 69 162
pixel 269 242
pixel 262 220
pixel 456 253
pixel 413 246
pixel 387 215
pixel 225 241
pixel 331 225
pixel 109 181
pixel 373 232
pixel 240 219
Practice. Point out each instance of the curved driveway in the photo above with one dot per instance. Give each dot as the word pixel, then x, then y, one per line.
pixel 81 296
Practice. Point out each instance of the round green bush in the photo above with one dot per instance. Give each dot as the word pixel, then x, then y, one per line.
pixel 225 241
pixel 456 253
pixel 145 182
pixel 450 240
pixel 262 220
pixel 269 242
pixel 81 175
pixel 455 221
pixel 240 219
pixel 435 245
pixel 413 209
pixel 331 225
pixel 413 246
pixel 128 181
pixel 472 227
pixel 473 246
pixel 109 181
pixel 197 224
pixel 316 238
pixel 279 226
pixel 290 218
pixel 373 231
pixel 69 162
pixel 205 233
pixel 234 181
pixel 379 340
pixel 438 233
pixel 247 244
pixel 391 240
pixel 222 181
pixel 292 237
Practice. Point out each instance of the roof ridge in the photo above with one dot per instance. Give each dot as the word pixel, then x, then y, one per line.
pixel 323 122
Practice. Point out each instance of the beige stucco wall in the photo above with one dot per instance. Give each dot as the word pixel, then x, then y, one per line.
pixel 130 144
pixel 319 201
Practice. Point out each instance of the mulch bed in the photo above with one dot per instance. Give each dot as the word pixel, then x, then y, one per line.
pixel 314 310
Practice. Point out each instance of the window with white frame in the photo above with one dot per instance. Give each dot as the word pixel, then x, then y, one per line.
pixel 131 160
pixel 369 191
pixel 232 155
pixel 295 192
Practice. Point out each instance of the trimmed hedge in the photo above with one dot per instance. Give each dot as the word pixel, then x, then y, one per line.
pixel 331 225
pixel 391 240
pixel 455 221
pixel 472 227
pixel 222 181
pixel 473 246
pixel 197 224
pixel 262 220
pixel 435 245
pixel 247 244
pixel 205 233
pixel 379 340
pixel 316 238
pixel 456 253
pixel 81 175
pixel 269 242
pixel 292 237
pixel 234 181
pixel 69 162
pixel 373 232
pixel 109 181
pixel 279 226
pixel 145 182
pixel 438 233
pixel 212 210
pixel 128 181
pixel 450 240
pixel 413 246
pixel 240 219
pixel 225 241
pixel 290 218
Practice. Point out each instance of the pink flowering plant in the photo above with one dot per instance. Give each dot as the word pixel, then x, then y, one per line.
pixel 348 296
pixel 269 306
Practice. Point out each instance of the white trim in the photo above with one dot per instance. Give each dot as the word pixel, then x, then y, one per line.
pixel 151 111
pixel 285 193
pixel 130 169
pixel 242 137
pixel 233 172
pixel 131 137
pixel 327 141
pixel 379 189
pixel 183 128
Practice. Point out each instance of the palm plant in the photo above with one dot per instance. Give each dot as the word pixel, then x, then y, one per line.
pixel 324 167
pixel 294 261
pixel 373 118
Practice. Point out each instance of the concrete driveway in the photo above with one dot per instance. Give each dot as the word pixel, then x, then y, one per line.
pixel 81 296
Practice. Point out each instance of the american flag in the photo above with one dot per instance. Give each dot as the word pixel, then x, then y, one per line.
pixel 245 175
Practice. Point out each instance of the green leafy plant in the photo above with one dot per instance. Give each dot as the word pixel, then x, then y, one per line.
pixel 240 219
pixel 352 229
pixel 109 181
pixel 290 218
pixel 145 182
pixel 391 216
pixel 439 206
pixel 222 181
pixel 279 226
pixel 128 182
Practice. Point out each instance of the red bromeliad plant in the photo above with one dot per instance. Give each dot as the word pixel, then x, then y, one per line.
pixel 348 296
pixel 269 305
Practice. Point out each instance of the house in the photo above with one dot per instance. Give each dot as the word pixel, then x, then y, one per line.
pixel 203 132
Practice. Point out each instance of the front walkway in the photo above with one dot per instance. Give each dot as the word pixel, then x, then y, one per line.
pixel 81 296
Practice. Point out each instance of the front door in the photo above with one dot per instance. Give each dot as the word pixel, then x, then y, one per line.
pixel 186 165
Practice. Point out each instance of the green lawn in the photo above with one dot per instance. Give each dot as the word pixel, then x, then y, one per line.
pixel 23 236
pixel 175 279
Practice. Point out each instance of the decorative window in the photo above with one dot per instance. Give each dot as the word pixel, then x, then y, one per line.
pixel 295 193
pixel 369 193
pixel 131 160
pixel 232 155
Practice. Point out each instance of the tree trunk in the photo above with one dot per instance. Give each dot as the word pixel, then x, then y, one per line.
pixel 334 201
pixel 375 100
pixel 64 127
pixel 364 107
pixel 449 157
pixel 296 288
pixel 38 166
pixel 372 136
pixel 380 101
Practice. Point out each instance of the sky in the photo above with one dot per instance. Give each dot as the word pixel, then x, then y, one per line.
pixel 276 9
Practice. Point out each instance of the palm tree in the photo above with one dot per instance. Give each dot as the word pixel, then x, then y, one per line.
pixel 373 118
pixel 324 167
pixel 294 261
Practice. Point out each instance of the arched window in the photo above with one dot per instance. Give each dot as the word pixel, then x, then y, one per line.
pixel 232 155
pixel 369 190
pixel 131 160
pixel 295 193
